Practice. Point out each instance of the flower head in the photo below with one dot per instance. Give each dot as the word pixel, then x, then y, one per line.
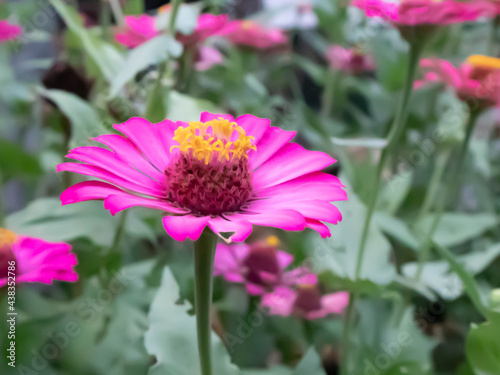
pixel 227 173
pixel 351 60
pixel 8 31
pixel 206 26
pixel 207 57
pixel 304 301
pixel 476 82
pixel 252 34
pixel 421 12
pixel 139 29
pixel 260 266
pixel 35 260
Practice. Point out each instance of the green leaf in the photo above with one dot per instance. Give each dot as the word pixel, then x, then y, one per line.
pixel 172 336
pixel 456 228
pixel 339 253
pixel 85 122
pixel 105 55
pixel 187 108
pixel 467 278
pixel 397 229
pixel 483 348
pixel 310 364
pixel 152 52
pixel 46 218
pixel 14 161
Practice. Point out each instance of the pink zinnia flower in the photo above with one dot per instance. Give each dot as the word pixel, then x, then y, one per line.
pixel 206 26
pixel 207 57
pixel 35 260
pixel 351 60
pixel 476 82
pixel 139 29
pixel 251 34
pixel 227 173
pixel 8 31
pixel 260 266
pixel 304 301
pixel 421 12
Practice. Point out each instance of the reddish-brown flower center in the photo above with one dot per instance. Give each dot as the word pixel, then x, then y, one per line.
pixel 262 260
pixel 7 239
pixel 308 298
pixel 211 174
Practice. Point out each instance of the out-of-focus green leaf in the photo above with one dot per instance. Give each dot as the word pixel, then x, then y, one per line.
pixel 172 336
pixel 14 161
pixel 105 55
pixel 457 228
pixel 85 122
pixel 46 218
pixel 152 52
pixel 187 108
pixel 483 348
pixel 397 229
pixel 339 253
pixel 310 364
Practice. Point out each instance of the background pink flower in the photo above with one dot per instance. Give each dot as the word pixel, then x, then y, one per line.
pixel 227 173
pixel 207 25
pixel 469 84
pixel 138 30
pixel 251 34
pixel 36 260
pixel 208 57
pixel 8 31
pixel 259 266
pixel 350 60
pixel 421 12
pixel 304 301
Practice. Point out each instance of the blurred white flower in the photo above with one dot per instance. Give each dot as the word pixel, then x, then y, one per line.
pixel 291 14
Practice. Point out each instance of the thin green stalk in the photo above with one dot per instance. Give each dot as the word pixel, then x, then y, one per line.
pixel 204 253
pixel 451 191
pixel 327 100
pixel 397 130
pixel 104 20
pixel 173 16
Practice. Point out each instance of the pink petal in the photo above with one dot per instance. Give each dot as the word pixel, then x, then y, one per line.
pixel 129 153
pixel 330 304
pixel 87 190
pixel 319 227
pixel 276 218
pixel 290 162
pixel 254 126
pixel 254 289
pixel 284 259
pixel 182 227
pixel 89 170
pixel 207 116
pixel 279 302
pixel 119 202
pixel 227 262
pixel 149 138
pixel 321 186
pixel 300 275
pixel 102 158
pixel 268 144
pixel 241 229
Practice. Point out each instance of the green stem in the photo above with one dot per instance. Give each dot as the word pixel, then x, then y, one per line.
pixel 397 130
pixel 104 20
pixel 327 100
pixel 451 191
pixel 173 16
pixel 204 252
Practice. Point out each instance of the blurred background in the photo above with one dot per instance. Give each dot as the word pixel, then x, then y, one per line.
pixel 319 67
